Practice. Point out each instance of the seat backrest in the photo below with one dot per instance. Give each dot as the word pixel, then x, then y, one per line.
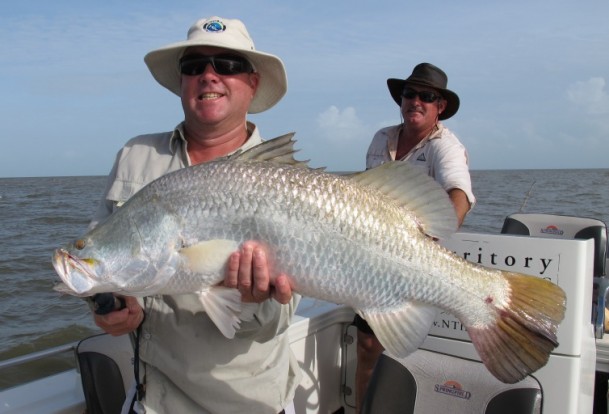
pixel 562 227
pixel 105 363
pixel 429 382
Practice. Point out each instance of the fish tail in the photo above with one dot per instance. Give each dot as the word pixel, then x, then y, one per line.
pixel 520 340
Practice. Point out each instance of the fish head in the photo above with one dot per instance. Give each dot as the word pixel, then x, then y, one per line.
pixel 87 268
pixel 126 254
pixel 81 276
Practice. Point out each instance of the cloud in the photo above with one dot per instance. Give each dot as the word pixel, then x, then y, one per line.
pixel 69 67
pixel 342 126
pixel 590 95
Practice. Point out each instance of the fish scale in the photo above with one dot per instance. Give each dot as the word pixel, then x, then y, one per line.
pixel 362 240
pixel 329 248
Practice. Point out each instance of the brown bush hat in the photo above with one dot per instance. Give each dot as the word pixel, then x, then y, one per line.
pixel 426 74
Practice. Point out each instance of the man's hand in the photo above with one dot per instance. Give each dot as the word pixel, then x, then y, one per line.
pixel 121 321
pixel 249 271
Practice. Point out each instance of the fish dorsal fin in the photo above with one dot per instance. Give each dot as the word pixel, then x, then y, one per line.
pixel 278 150
pixel 414 190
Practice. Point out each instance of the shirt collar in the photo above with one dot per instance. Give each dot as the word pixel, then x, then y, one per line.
pixel 178 137
pixel 394 133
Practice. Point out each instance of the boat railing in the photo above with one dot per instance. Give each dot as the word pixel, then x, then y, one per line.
pixel 35 356
pixel 36 366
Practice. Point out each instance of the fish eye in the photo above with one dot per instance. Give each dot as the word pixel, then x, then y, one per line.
pixel 80 244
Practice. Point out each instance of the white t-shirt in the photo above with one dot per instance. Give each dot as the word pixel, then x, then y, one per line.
pixel 441 155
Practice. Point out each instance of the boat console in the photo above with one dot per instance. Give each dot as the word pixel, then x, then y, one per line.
pixel 578 228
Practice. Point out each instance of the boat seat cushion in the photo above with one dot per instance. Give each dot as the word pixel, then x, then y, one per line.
pixel 106 370
pixel 562 227
pixel 428 382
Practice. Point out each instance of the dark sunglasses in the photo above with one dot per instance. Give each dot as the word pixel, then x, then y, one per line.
pixel 192 65
pixel 424 96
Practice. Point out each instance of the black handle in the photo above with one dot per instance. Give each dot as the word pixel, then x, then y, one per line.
pixel 104 303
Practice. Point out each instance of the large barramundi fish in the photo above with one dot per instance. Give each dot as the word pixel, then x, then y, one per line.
pixel 364 240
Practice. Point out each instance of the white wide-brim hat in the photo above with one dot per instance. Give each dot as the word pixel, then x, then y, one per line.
pixel 228 34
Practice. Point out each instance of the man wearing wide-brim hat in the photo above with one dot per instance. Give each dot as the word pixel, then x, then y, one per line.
pixel 421 139
pixel 186 364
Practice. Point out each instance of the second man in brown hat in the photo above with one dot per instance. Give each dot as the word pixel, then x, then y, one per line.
pixel 421 139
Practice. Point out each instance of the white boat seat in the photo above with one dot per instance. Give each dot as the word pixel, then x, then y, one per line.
pixel 105 364
pixel 562 227
pixel 428 382
pixel 570 227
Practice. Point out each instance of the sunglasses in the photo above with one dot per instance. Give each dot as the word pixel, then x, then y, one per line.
pixel 192 65
pixel 424 96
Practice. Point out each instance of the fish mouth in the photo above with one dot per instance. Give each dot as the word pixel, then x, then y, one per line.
pixel 76 273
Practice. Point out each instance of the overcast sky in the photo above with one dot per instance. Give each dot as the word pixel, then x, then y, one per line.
pixel 531 75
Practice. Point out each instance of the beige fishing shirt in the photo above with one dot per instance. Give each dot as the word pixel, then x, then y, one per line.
pixel 189 366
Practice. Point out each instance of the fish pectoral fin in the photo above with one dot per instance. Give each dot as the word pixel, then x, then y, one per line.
pixel 403 330
pixel 210 256
pixel 222 304
pixel 224 307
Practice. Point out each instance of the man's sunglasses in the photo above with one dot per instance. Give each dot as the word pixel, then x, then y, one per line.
pixel 424 96
pixel 192 65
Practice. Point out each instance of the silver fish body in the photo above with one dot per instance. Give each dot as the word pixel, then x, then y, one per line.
pixel 358 240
